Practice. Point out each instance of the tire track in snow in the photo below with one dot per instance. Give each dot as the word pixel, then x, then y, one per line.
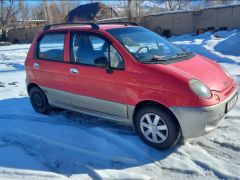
pixel 213 149
pixel 180 163
pixel 133 149
pixel 233 117
pixel 109 174
pixel 9 173
pixel 45 148
pixel 230 145
pixel 207 161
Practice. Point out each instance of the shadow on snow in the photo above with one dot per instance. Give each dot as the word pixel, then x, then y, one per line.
pixel 71 143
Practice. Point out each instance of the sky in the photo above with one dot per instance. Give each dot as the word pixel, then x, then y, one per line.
pixel 36 2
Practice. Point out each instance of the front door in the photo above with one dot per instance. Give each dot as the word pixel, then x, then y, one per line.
pixel 93 87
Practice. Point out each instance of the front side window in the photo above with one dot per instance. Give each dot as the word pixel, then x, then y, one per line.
pixel 51 47
pixel 86 48
pixel 145 45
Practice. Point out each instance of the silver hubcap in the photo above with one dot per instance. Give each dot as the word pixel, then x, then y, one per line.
pixel 154 128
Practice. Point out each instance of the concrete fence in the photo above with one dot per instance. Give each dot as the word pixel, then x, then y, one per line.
pixel 23 34
pixel 177 23
pixel 183 22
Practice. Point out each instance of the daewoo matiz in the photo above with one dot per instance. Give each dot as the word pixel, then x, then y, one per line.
pixel 124 72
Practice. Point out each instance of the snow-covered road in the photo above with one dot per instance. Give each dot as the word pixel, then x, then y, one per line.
pixel 70 145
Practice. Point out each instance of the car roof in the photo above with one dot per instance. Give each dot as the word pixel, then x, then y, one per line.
pixel 79 26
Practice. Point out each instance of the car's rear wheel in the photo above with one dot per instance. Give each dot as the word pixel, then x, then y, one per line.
pixel 38 100
pixel 157 127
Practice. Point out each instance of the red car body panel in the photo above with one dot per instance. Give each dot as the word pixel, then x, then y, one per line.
pixel 166 84
pixel 95 82
pixel 204 70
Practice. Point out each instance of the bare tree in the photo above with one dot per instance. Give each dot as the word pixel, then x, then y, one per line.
pixel 216 2
pixel 52 11
pixel 173 5
pixel 55 13
pixel 129 9
pixel 133 9
pixel 24 12
pixel 46 10
pixel 66 6
pixel 197 5
pixel 121 8
pixel 7 15
pixel 37 12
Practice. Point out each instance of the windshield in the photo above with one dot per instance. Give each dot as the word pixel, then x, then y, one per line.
pixel 146 45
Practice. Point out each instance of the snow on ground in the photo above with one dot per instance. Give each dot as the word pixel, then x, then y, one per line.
pixel 69 145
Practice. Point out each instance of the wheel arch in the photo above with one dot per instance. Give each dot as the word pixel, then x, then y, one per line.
pixel 155 103
pixel 30 86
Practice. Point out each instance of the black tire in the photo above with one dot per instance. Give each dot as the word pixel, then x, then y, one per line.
pixel 172 134
pixel 38 100
pixel 56 109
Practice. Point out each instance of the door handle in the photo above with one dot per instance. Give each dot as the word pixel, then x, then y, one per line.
pixel 36 65
pixel 74 71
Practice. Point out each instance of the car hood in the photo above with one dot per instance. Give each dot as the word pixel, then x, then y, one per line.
pixel 203 69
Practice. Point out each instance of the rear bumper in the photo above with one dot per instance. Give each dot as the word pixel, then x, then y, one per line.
pixel 196 122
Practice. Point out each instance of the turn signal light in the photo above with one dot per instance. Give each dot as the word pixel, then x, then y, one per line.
pixel 216 97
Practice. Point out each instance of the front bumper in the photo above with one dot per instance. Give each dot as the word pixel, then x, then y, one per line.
pixel 196 122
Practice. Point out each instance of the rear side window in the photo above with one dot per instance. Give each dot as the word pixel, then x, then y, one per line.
pixel 51 47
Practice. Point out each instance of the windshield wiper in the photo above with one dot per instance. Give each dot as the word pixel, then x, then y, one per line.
pixel 151 58
pixel 183 54
pixel 154 59
pixel 166 58
pixel 157 58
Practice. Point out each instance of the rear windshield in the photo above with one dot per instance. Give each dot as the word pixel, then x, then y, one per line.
pixel 147 46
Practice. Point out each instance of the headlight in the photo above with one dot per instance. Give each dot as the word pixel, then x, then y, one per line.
pixel 225 70
pixel 200 89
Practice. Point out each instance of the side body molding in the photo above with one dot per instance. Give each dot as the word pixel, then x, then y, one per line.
pixel 90 105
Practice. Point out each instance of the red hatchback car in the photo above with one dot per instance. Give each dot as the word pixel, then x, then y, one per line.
pixel 124 72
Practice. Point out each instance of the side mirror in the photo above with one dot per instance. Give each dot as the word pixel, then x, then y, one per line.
pixel 101 62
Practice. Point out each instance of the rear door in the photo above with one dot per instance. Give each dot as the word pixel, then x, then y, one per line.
pixel 51 69
pixel 93 87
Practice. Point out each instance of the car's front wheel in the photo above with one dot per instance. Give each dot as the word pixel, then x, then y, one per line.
pixel 157 127
pixel 38 100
